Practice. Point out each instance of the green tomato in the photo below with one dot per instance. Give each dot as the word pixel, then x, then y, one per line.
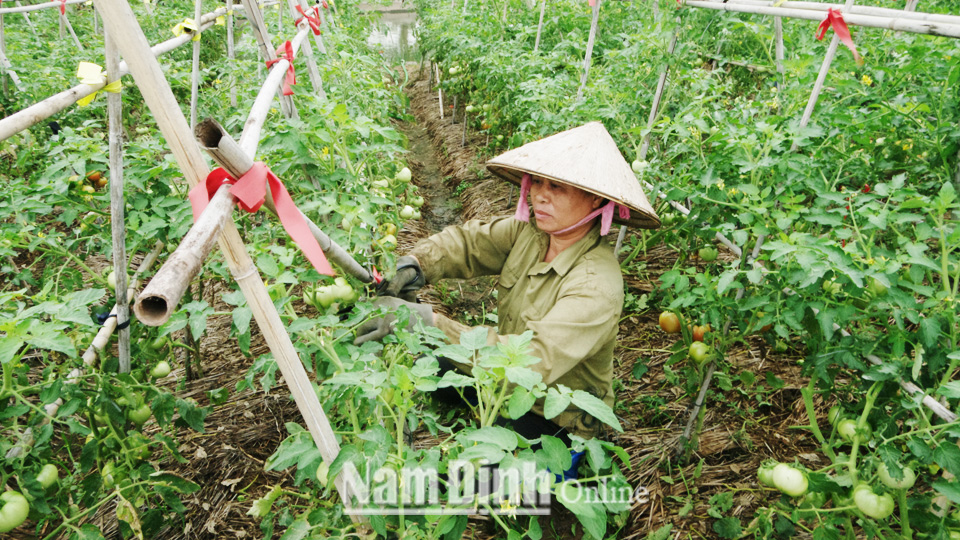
pixel 406 212
pixel 700 352
pixel 909 478
pixel 417 201
pixel 161 370
pixel 708 254
pixel 322 471
pixel 344 291
pixel 790 481
pixel 871 504
pixel 326 296
pixel 112 280
pixel 833 415
pixel 388 242
pixel 875 288
pixel 638 166
pixel 48 475
pixel 470 108
pixel 14 510
pixel 847 428
pixel 831 287
pixel 404 175
pixel 765 474
pixel 813 499
pixel 139 415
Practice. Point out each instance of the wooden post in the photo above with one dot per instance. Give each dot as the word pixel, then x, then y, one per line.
pixel 231 55
pixel 587 59
pixel 120 20
pixel 117 220
pixel 267 51
pixel 543 8
pixel 315 79
pixel 195 79
pixel 821 77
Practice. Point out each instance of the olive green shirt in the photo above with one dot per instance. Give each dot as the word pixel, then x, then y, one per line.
pixel 572 303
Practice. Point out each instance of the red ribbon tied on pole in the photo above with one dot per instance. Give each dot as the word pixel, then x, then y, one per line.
pixel 324 3
pixel 250 191
pixel 835 19
pixel 313 20
pixel 63 6
pixel 286 51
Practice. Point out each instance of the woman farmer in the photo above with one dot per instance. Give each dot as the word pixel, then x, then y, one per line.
pixel 558 276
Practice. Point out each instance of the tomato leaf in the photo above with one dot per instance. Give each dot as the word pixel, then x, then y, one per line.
pixel 595 407
pixel 554 455
pixel 948 489
pixel 520 402
pixel 728 527
pixel 503 438
pixel 555 403
pixel 591 515
pixel 948 456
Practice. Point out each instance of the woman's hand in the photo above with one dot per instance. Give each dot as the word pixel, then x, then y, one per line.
pixel 380 326
pixel 406 282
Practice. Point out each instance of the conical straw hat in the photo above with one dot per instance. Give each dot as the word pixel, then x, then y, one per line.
pixel 585 157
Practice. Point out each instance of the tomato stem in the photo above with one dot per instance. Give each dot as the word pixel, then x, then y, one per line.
pixel 904 514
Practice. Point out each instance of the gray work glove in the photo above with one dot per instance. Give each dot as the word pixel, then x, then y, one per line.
pixel 381 325
pixel 406 282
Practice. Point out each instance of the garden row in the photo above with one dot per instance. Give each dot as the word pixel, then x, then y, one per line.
pixel 849 242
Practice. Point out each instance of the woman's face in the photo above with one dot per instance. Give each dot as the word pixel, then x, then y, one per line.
pixel 557 206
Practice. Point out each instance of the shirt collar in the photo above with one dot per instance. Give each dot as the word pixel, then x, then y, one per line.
pixel 562 263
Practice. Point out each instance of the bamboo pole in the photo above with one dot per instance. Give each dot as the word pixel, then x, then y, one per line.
pixel 119 18
pixel 42 110
pixel 237 159
pixel 778 44
pixel 312 69
pixel 856 10
pixel 96 25
pixel 65 22
pixel 318 39
pixel 195 76
pixel 588 57
pixel 818 85
pixel 117 220
pixel 911 5
pixel 436 68
pixel 654 108
pixel 543 8
pixel 37 7
pixel 106 330
pixel 900 23
pixel 4 61
pixel 26 17
pixel 267 51
pixel 231 55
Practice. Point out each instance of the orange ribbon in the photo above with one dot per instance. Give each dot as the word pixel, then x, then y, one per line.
pixel 835 19
pixel 286 50
pixel 313 20
pixel 250 191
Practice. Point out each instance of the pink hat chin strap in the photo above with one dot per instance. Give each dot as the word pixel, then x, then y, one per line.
pixel 523 211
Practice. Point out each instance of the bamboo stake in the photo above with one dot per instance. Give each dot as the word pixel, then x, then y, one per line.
pixel 318 39
pixel 27 18
pixel 821 77
pixel 654 108
pixel 267 51
pixel 900 23
pixel 543 8
pixel 856 10
pixel 588 57
pixel 911 5
pixel 96 24
pixel 4 62
pixel 195 79
pixel 106 330
pixel 463 13
pixel 76 40
pixel 436 68
pixel 119 18
pixel 42 110
pixel 117 221
pixel 778 44
pixel 231 55
pixel 312 69
pixel 37 7
pixel 238 159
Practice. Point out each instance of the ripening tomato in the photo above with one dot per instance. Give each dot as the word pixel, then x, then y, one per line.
pixel 700 331
pixel 670 322
pixel 94 176
pixel 789 480
pixel 700 352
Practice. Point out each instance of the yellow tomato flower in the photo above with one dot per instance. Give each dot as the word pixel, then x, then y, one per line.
pixel 866 80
